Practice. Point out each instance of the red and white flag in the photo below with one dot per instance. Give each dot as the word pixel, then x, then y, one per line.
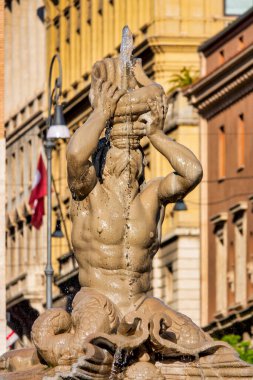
pixel 11 337
pixel 39 191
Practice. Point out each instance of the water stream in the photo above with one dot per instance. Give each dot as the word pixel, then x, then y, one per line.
pixel 126 66
pixel 119 360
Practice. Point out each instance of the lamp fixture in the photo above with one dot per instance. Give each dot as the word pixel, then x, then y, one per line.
pixel 58 129
pixel 180 205
pixel 58 231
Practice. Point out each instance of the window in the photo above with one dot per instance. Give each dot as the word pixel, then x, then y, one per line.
pixel 240 228
pixel 57 33
pixel 29 163
pixel 89 11
pixel 241 43
pixel 220 231
pixel 100 7
pixel 21 169
pixel 236 7
pixel 78 16
pixel 67 30
pixel 222 153
pixel 221 57
pixel 241 143
pixel 41 13
pixel 13 174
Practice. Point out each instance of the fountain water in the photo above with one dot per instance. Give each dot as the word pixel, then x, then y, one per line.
pixel 116 331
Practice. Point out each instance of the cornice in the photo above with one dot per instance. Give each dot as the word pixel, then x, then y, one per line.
pixel 37 119
pixel 233 29
pixel 224 86
pixel 238 208
pixel 167 44
pixel 219 218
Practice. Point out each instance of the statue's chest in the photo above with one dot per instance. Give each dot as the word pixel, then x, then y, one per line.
pixel 116 223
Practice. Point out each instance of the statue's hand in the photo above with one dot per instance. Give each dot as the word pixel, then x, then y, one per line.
pixel 155 119
pixel 108 96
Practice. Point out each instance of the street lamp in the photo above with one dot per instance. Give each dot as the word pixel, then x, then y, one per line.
pixel 56 129
pixel 180 205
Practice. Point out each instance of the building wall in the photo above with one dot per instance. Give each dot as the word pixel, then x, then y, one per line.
pixel 85 31
pixel 229 49
pixel 24 77
pixel 24 55
pixel 173 281
pixel 166 37
pixel 223 97
pixel 235 186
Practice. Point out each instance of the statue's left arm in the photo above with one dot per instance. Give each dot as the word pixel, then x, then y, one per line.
pixel 187 169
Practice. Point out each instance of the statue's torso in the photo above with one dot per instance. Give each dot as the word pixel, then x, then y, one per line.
pixel 114 242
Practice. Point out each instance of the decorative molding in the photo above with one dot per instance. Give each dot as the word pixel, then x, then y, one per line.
pixel 224 86
pixel 238 208
pixel 178 232
pixel 235 317
pixel 219 218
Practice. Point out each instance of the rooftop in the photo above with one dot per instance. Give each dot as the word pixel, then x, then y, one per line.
pixel 227 33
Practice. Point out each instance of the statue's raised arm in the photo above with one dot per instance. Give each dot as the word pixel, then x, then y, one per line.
pixel 187 169
pixel 81 172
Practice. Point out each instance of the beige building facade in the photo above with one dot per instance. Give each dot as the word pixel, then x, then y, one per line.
pixel 23 117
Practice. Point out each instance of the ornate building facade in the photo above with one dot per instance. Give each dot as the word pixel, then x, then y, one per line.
pixel 24 107
pixel 224 98
pixel 166 37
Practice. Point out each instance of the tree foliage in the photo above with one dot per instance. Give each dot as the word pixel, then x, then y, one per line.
pixel 244 348
pixel 183 79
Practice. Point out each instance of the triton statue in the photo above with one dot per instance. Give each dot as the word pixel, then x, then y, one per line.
pixel 117 330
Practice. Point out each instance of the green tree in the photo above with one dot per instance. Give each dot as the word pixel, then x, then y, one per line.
pixel 243 348
pixel 183 79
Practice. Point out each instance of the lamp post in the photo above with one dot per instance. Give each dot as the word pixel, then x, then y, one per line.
pixel 56 129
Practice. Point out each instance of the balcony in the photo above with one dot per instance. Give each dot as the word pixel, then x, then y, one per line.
pixel 26 287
